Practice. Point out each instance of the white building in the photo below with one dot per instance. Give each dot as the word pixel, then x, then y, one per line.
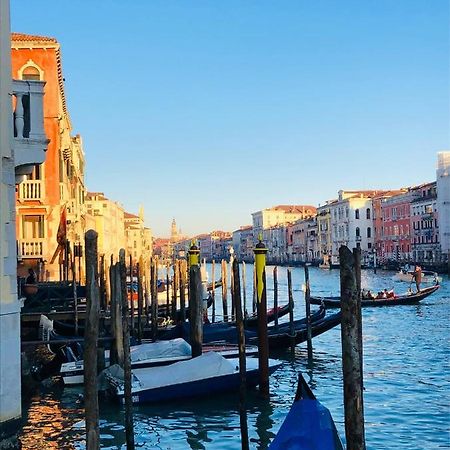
pixel 22 145
pixel 443 201
pixel 352 223
pixel 243 243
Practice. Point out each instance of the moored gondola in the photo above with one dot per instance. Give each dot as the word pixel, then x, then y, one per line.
pixel 406 299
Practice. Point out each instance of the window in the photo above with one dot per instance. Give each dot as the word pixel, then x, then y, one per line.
pixel 369 232
pixel 356 213
pixel 368 213
pixel 31 73
pixel 32 227
pixel 358 232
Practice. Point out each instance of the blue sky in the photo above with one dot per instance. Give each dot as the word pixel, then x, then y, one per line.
pixel 207 111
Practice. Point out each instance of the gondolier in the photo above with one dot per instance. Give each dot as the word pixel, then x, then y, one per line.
pixel 417 276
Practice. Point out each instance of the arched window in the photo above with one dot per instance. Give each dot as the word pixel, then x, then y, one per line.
pixel 31 73
pixel 358 232
pixel 356 213
pixel 369 232
pixel 368 213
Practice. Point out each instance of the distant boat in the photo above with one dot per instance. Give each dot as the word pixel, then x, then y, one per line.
pixel 406 299
pixel 407 274
pixel 207 374
pixel 308 425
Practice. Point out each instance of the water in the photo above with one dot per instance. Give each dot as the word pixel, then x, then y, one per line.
pixel 407 385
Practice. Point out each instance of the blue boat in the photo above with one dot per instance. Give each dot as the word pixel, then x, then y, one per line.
pixel 208 374
pixel 308 425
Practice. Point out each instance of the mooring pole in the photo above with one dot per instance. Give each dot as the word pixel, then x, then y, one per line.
pixel 308 314
pixel 213 291
pixel 260 252
pixel 129 427
pixel 182 277
pixel 195 301
pixel 275 295
pixel 244 289
pixel 224 290
pixel 140 294
pixel 291 310
pixel 242 359
pixel 154 300
pixel 90 342
pixel 167 291
pixel 131 308
pixel 351 360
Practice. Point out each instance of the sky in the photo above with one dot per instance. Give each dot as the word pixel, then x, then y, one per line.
pixel 207 111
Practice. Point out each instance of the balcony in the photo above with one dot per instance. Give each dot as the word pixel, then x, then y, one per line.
pixel 30 141
pixel 31 190
pixel 30 248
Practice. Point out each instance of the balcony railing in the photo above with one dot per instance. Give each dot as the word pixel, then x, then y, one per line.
pixel 30 248
pixel 31 190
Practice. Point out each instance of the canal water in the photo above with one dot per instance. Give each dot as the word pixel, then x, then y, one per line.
pixel 406 371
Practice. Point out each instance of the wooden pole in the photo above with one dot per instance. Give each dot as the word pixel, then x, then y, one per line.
pixel 140 299
pixel 129 428
pixel 75 297
pixel 351 364
pixel 244 289
pixel 254 291
pixel 154 294
pixel 167 291
pixel 291 309
pixel 90 342
pixel 263 342
pixel 357 272
pixel 233 306
pixel 118 314
pixel 182 277
pixel 131 307
pixel 102 284
pixel 213 290
pixel 224 290
pixel 174 290
pixel 308 314
pixel 275 295
pixel 242 359
pixel 195 310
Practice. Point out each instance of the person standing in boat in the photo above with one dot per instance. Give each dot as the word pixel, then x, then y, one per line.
pixel 417 276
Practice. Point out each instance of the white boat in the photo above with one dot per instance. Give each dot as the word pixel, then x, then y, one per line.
pixel 407 274
pixel 207 374
pixel 144 355
pixel 154 354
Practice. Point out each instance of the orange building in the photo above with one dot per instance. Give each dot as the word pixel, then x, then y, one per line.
pixel 56 188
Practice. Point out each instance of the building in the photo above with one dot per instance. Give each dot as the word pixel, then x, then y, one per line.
pixel 138 237
pixel 352 223
pixel 109 222
pixel 303 244
pixel 243 243
pixel 22 146
pixel 52 196
pixel 443 203
pixel 424 227
pixel 324 240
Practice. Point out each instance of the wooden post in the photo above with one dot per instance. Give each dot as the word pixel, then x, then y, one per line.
pixel 224 290
pixel 242 360
pixel 195 310
pixel 75 297
pixel 90 342
pixel 244 289
pixel 102 284
pixel 357 272
pixel 275 295
pixel 213 291
pixel 182 277
pixel 118 314
pixel 175 289
pixel 129 428
pixel 140 299
pixel 263 342
pixel 167 291
pixel 233 306
pixel 351 364
pixel 291 309
pixel 154 296
pixel 131 308
pixel 308 314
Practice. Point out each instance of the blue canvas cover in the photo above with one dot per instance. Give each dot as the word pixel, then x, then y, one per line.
pixel 308 426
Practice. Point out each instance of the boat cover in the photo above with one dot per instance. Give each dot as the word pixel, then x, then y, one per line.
pixel 308 426
pixel 208 365
pixel 160 350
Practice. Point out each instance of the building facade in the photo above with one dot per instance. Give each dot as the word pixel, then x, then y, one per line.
pixel 443 203
pixel 54 191
pixel 324 239
pixel 243 243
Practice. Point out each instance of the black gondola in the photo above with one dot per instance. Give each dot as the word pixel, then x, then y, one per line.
pixel 412 299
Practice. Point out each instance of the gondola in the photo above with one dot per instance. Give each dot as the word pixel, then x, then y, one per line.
pixel 412 299
pixel 252 320
pixel 308 424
